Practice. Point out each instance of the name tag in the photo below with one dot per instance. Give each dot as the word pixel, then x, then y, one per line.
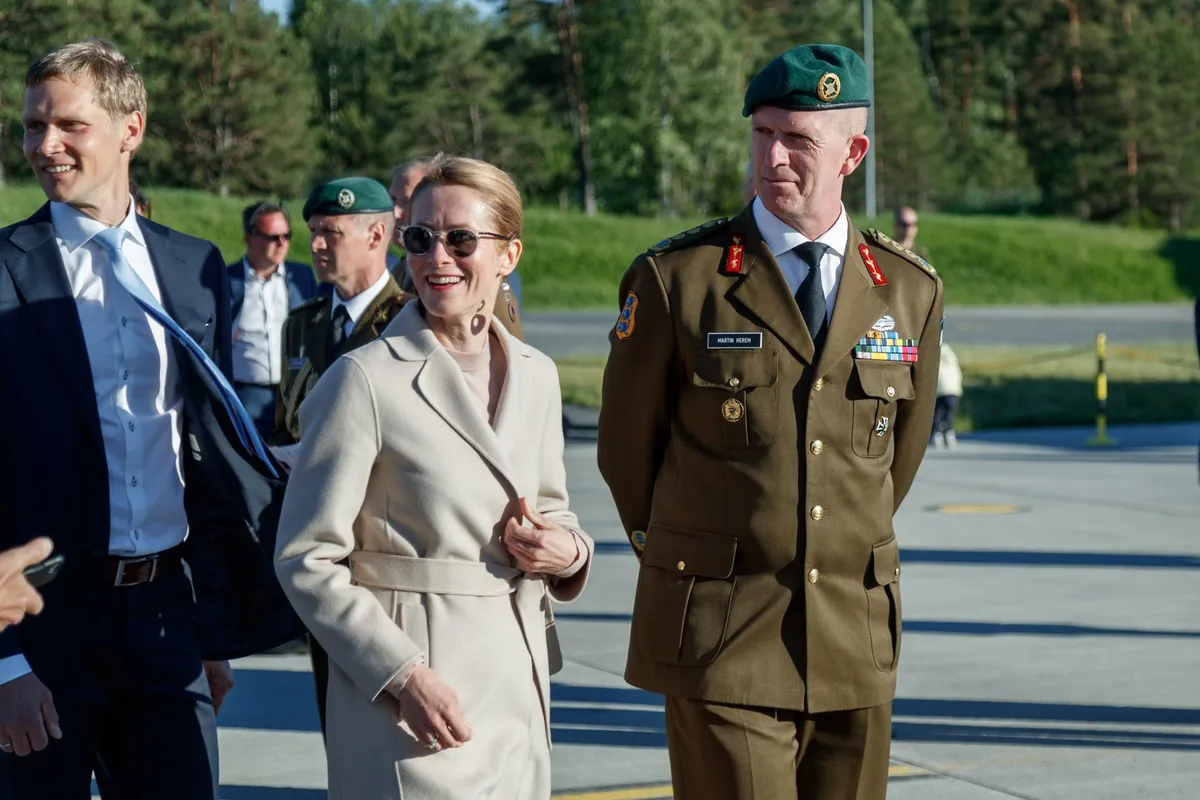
pixel 735 341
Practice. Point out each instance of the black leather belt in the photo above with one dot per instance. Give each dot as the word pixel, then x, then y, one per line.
pixel 139 570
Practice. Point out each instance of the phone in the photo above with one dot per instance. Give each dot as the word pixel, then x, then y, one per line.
pixel 46 571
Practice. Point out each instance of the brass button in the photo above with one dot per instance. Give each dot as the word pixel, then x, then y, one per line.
pixel 897 572
pixel 817 512
pixel 891 391
pixel 814 575
pixel 734 382
pixel 817 447
pixel 681 566
pixel 818 384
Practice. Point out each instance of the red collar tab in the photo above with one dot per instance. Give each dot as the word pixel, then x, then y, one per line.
pixel 872 267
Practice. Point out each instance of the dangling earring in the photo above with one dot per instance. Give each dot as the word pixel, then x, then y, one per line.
pixel 508 298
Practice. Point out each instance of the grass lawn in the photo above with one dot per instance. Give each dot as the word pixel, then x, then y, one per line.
pixel 1008 387
pixel 571 261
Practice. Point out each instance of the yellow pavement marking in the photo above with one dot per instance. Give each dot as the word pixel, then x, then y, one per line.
pixel 977 508
pixel 664 792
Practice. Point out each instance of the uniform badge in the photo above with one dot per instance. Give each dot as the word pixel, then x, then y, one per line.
pixel 639 540
pixel 733 261
pixel 872 267
pixel 884 323
pixel 881 427
pixel 733 410
pixel 345 198
pixel 829 87
pixel 628 319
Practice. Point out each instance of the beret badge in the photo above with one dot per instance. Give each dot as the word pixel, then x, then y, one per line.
pixel 829 87
pixel 345 198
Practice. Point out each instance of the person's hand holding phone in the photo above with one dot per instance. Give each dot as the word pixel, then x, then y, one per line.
pixel 17 595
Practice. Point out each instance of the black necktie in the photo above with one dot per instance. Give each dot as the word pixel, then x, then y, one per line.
pixel 811 294
pixel 340 317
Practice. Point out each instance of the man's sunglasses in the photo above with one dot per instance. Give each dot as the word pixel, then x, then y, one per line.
pixel 274 238
pixel 460 242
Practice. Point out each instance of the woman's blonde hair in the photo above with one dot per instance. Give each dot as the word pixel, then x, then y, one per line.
pixel 495 185
pixel 118 87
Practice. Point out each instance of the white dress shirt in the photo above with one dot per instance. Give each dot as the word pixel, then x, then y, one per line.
pixel 357 306
pixel 258 329
pixel 138 395
pixel 780 238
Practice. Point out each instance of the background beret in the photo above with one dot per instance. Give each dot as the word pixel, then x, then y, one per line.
pixel 348 196
pixel 811 77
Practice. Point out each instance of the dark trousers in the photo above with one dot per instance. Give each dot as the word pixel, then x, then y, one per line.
pixel 259 402
pixel 748 753
pixel 943 413
pixel 137 710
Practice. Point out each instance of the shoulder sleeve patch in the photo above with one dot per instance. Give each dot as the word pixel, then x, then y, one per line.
pixel 890 244
pixel 627 320
pixel 681 240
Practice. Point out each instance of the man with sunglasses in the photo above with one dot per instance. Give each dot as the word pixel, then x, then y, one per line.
pixel 264 288
pixel 350 223
pixel 405 179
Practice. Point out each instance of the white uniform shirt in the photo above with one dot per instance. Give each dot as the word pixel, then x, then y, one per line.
pixel 780 238
pixel 258 329
pixel 357 306
pixel 137 390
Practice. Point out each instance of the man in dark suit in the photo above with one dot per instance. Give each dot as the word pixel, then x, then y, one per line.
pixel 264 287
pixel 129 448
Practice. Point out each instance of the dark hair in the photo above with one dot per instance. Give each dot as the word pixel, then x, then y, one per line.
pixel 252 213
pixel 140 200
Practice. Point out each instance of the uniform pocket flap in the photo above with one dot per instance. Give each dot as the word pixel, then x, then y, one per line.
pixel 736 369
pixel 885 561
pixel 877 379
pixel 689 553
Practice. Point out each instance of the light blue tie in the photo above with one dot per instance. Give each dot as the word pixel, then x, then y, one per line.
pixel 112 238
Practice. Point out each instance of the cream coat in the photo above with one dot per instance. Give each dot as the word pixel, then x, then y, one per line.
pixel 400 473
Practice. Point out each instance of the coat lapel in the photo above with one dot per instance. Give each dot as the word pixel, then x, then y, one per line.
pixel 374 319
pixel 763 291
pixel 317 344
pixel 179 285
pixel 441 384
pixel 41 278
pixel 859 304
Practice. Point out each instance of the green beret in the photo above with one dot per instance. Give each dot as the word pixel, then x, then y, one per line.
pixel 812 77
pixel 348 196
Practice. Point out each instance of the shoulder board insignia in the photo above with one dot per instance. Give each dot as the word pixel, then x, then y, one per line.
pixel 883 240
pixel 688 236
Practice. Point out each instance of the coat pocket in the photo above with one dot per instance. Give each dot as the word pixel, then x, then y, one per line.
pixel 879 386
pixel 684 594
pixel 883 604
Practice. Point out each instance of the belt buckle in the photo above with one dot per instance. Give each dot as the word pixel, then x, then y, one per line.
pixel 120 578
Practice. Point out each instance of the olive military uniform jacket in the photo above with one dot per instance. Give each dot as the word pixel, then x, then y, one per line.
pixel 758 482
pixel 308 351
pixel 506 307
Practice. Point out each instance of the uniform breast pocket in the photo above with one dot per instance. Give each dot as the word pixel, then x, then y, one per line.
pixel 733 399
pixel 879 386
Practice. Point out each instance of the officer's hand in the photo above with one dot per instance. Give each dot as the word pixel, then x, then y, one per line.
pixel 28 719
pixel 546 547
pixel 431 709
pixel 17 597
pixel 220 682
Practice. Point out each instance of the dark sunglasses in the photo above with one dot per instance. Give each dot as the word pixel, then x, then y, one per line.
pixel 275 238
pixel 460 242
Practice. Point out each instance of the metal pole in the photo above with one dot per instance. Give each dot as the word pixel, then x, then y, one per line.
pixel 869 53
pixel 1101 438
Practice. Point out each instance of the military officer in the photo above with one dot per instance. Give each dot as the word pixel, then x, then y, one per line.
pixel 350 224
pixel 768 398
pixel 405 179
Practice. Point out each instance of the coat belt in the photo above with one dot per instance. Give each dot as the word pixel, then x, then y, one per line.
pixel 469 578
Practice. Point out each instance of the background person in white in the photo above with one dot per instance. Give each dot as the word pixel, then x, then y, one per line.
pixel 112 669
pixel 264 287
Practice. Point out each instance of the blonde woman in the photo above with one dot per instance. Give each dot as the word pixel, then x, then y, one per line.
pixel 426 522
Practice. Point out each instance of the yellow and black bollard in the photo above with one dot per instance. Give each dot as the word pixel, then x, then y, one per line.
pixel 1101 438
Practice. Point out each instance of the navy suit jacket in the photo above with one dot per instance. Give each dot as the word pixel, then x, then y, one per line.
pixel 301 285
pixel 53 471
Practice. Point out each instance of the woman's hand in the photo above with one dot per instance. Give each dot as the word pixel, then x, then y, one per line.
pixel 546 547
pixel 431 709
